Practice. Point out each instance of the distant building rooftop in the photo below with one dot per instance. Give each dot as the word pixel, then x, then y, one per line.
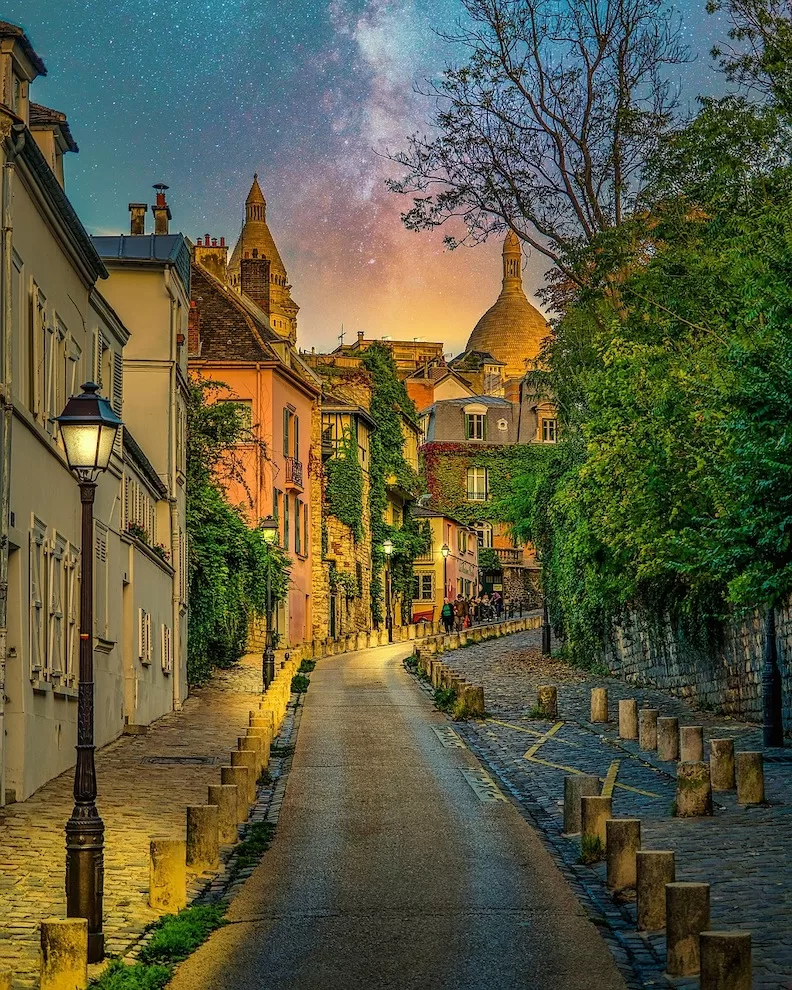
pixel 155 249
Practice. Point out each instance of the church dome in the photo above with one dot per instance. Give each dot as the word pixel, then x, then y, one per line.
pixel 512 330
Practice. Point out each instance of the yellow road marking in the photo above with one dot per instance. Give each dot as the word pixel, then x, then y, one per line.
pixel 531 732
pixel 543 739
pixel 610 779
pixel 560 766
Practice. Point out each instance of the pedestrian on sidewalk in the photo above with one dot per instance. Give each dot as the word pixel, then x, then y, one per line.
pixel 447 615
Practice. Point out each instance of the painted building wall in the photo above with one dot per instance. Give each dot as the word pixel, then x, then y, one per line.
pixel 461 565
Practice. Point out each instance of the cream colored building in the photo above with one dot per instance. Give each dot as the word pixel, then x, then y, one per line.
pixel 56 332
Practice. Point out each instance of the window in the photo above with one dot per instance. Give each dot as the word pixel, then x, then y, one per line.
pixel 72 610
pixel 477 484
pixel 286 534
pixel 287 419
pixel 139 511
pixel 484 532
pixel 476 426
pixel 144 636
pixel 56 626
pixel 244 409
pixel 297 526
pixel 38 595
pixel 462 541
pixel 38 353
pixel 296 431
pixel 305 529
pixel 549 430
pixel 100 580
pixel 423 588
pixel 166 650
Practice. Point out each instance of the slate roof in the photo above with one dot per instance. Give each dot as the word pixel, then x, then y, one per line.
pixel 155 249
pixel 8 30
pixel 231 327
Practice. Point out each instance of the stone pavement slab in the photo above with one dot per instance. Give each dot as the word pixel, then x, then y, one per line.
pixel 144 786
pixel 742 852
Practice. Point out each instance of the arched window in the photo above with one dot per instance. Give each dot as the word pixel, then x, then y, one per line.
pixel 484 530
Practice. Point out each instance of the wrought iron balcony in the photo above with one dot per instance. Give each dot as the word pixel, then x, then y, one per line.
pixel 294 473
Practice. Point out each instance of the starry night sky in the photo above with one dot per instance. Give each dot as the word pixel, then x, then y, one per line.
pixel 201 93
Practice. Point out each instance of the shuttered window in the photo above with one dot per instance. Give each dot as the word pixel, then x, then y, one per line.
pixel 38 596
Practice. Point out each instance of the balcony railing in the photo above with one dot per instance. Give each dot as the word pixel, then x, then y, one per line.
pixel 425 558
pixel 294 472
pixel 477 496
pixel 507 555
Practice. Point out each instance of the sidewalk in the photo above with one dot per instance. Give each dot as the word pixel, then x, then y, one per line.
pixel 144 783
pixel 744 853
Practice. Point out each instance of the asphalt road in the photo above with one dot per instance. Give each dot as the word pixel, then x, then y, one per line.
pixel 388 870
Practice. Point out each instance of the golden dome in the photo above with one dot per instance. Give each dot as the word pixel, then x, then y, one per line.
pixel 512 330
pixel 256 236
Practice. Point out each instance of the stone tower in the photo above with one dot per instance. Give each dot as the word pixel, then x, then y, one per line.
pixel 256 244
pixel 512 330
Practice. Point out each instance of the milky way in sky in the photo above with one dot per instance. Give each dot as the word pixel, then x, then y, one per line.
pixel 309 93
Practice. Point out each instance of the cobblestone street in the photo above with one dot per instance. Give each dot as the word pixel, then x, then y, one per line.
pixel 742 852
pixel 145 783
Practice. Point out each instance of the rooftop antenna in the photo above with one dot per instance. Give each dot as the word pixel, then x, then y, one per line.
pixel 341 335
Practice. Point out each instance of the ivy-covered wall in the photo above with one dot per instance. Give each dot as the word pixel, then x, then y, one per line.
pixel 445 466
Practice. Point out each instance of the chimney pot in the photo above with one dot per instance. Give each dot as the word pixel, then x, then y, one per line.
pixel 222 242
pixel 161 210
pixel 361 334
pixel 206 240
pixel 214 242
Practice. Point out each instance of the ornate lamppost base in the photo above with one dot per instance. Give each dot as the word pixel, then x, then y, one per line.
pixel 85 874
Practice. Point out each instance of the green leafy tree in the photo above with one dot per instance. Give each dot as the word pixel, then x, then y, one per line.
pixel 229 560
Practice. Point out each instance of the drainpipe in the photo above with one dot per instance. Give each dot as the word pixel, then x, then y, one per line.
pixel 13 146
pixel 176 549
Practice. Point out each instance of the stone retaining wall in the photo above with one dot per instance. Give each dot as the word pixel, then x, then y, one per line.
pixel 723 673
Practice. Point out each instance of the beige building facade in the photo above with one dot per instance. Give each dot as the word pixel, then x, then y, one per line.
pixel 57 330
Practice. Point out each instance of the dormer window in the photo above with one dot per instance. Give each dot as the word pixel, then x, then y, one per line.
pixel 475 421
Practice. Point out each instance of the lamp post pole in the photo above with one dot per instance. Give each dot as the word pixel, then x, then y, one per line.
pixel 546 645
pixel 387 549
pixel 270 531
pixel 445 550
pixel 85 829
pixel 89 428
pixel 773 726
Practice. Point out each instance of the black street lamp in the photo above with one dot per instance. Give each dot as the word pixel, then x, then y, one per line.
pixel 88 428
pixel 270 531
pixel 445 550
pixel 387 549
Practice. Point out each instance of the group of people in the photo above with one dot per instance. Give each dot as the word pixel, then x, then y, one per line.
pixel 461 613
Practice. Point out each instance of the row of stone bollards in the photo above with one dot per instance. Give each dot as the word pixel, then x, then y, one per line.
pixel 721 958
pixel 470 697
pixel 64 941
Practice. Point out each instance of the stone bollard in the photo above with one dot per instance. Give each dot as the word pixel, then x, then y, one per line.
pixel 167 875
pixel 722 764
pixel 239 777
pixel 693 790
pixel 247 758
pixel 253 744
pixel 474 699
pixel 547 700
pixel 668 738
pixel 595 810
pixel 725 960
pixel 64 954
pixel 203 837
pixel 654 868
pixel 576 787
pixel 623 842
pixel 691 743
pixel 224 798
pixel 749 771
pixel 647 728
pixel 628 718
pixel 599 704
pixel 687 916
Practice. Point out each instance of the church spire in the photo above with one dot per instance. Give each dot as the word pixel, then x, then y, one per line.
pixel 255 204
pixel 512 263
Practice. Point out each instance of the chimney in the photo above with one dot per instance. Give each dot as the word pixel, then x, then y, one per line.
pixel 361 335
pixel 255 279
pixel 137 219
pixel 194 331
pixel 213 257
pixel 161 210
